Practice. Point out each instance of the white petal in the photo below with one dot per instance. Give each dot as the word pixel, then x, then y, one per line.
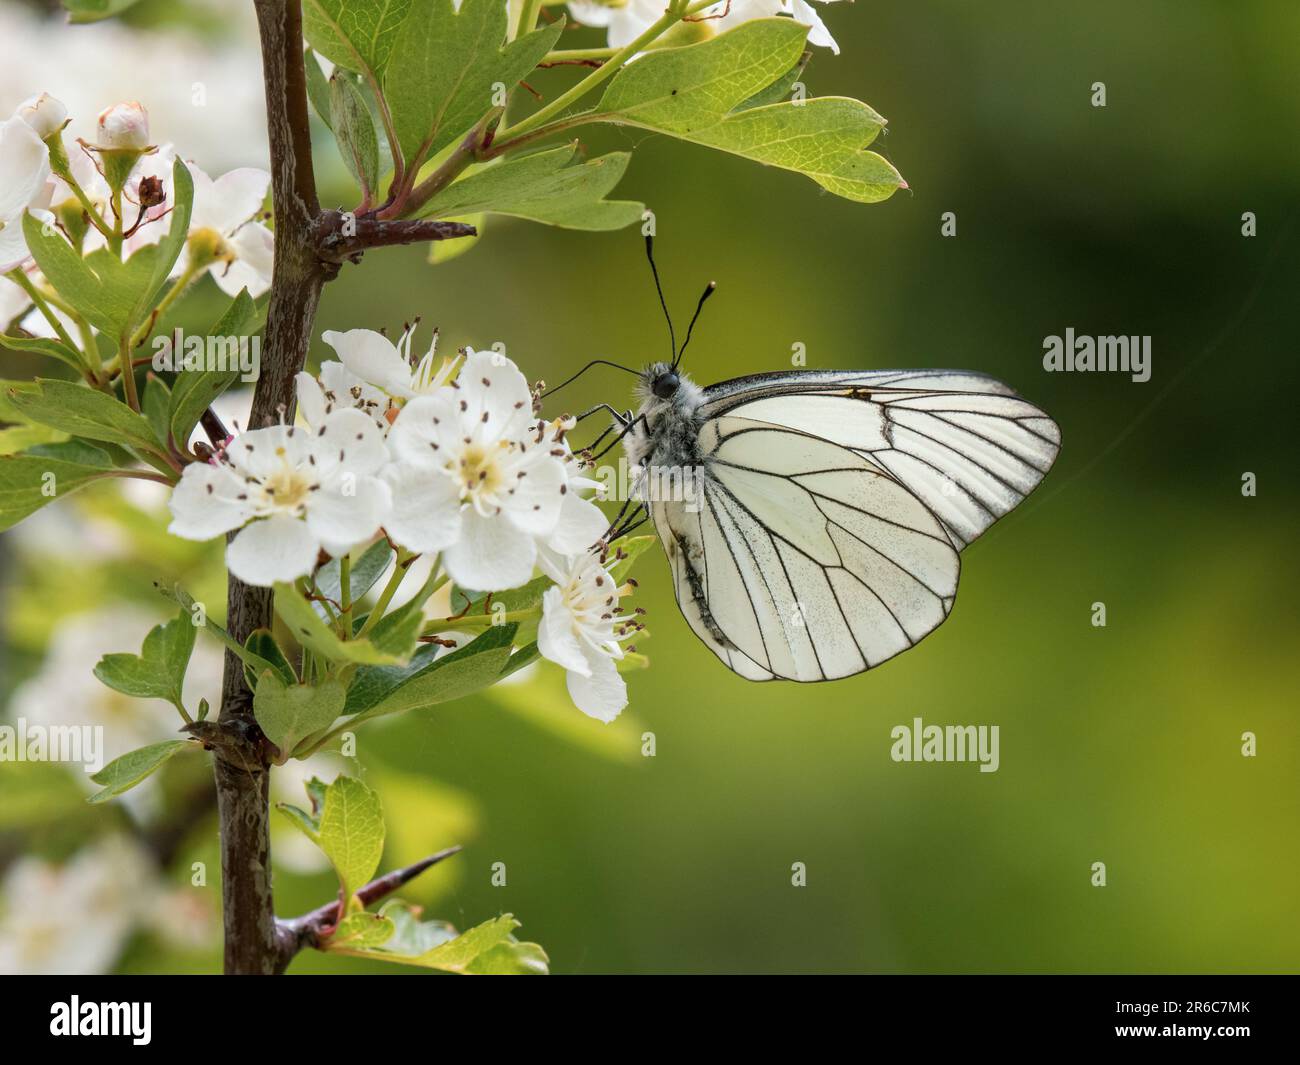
pixel 491 554
pixel 311 400
pixel 280 548
pixel 425 514
pixel 818 34
pixel 236 197
pixel 24 166
pixel 591 14
pixel 581 524
pixel 372 357
pixel 491 384
pixel 423 423
pixel 351 441
pixel 254 247
pixel 261 452
pixel 205 503
pixel 602 694
pixel 534 505
pixel 348 511
pixel 555 636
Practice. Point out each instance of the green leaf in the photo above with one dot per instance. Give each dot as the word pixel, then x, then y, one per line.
pixel 471 604
pixel 55 349
pixel 94 10
pixel 366 570
pixel 251 659
pixel 510 957
pixel 16 438
pixel 362 931
pixel 354 131
pixel 113 295
pixel 396 934
pixel 318 86
pixel 425 683
pixel 85 412
pixel 45 473
pixel 123 774
pixel 544 187
pixel 697 94
pixel 313 633
pixel 154 404
pixel 355 34
pixel 195 390
pixel 780 89
pixel 347 824
pixel 289 713
pixel 444 65
pixel 262 643
pixel 158 671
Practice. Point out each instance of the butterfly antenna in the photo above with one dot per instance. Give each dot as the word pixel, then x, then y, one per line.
pixel 594 362
pixel 708 291
pixel 650 254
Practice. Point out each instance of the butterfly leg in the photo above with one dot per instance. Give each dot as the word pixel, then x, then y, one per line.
pixel 640 419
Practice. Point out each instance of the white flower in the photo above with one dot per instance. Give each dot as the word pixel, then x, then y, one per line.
pixel 223 221
pixel 581 522
pixel 375 360
pixel 627 22
pixel 302 491
pixel 581 630
pixel 24 184
pixel 335 388
pixel 43 113
pixel 74 919
pixel 123 126
pixel 470 480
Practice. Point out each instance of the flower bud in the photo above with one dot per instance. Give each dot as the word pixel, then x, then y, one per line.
pixel 123 126
pixel 151 192
pixel 43 113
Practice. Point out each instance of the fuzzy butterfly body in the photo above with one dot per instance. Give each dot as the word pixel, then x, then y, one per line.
pixel 813 519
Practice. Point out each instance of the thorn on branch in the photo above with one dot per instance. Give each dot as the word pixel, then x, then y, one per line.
pixel 310 929
pixel 341 238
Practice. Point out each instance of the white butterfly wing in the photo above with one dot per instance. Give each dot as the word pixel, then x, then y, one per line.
pixel 824 538
pixel 963 443
pixel 799 559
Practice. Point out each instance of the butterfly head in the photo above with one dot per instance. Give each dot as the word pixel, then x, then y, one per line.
pixel 662 380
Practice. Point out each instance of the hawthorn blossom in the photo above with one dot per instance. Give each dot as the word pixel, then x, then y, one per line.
pixel 292 493
pixel 122 127
pixel 628 21
pixel 582 630
pixel 376 361
pixel 223 225
pixel 470 481
pixel 581 522
pixel 335 388
pixel 43 113
pixel 24 185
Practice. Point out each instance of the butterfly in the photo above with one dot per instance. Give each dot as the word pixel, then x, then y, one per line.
pixel 814 519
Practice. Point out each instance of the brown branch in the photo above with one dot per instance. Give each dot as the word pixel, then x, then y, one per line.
pixel 341 238
pixel 310 929
pixel 241 765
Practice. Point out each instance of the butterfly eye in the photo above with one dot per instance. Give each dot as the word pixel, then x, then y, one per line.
pixel 665 385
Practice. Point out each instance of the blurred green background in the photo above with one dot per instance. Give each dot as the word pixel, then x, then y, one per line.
pixel 1119 744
